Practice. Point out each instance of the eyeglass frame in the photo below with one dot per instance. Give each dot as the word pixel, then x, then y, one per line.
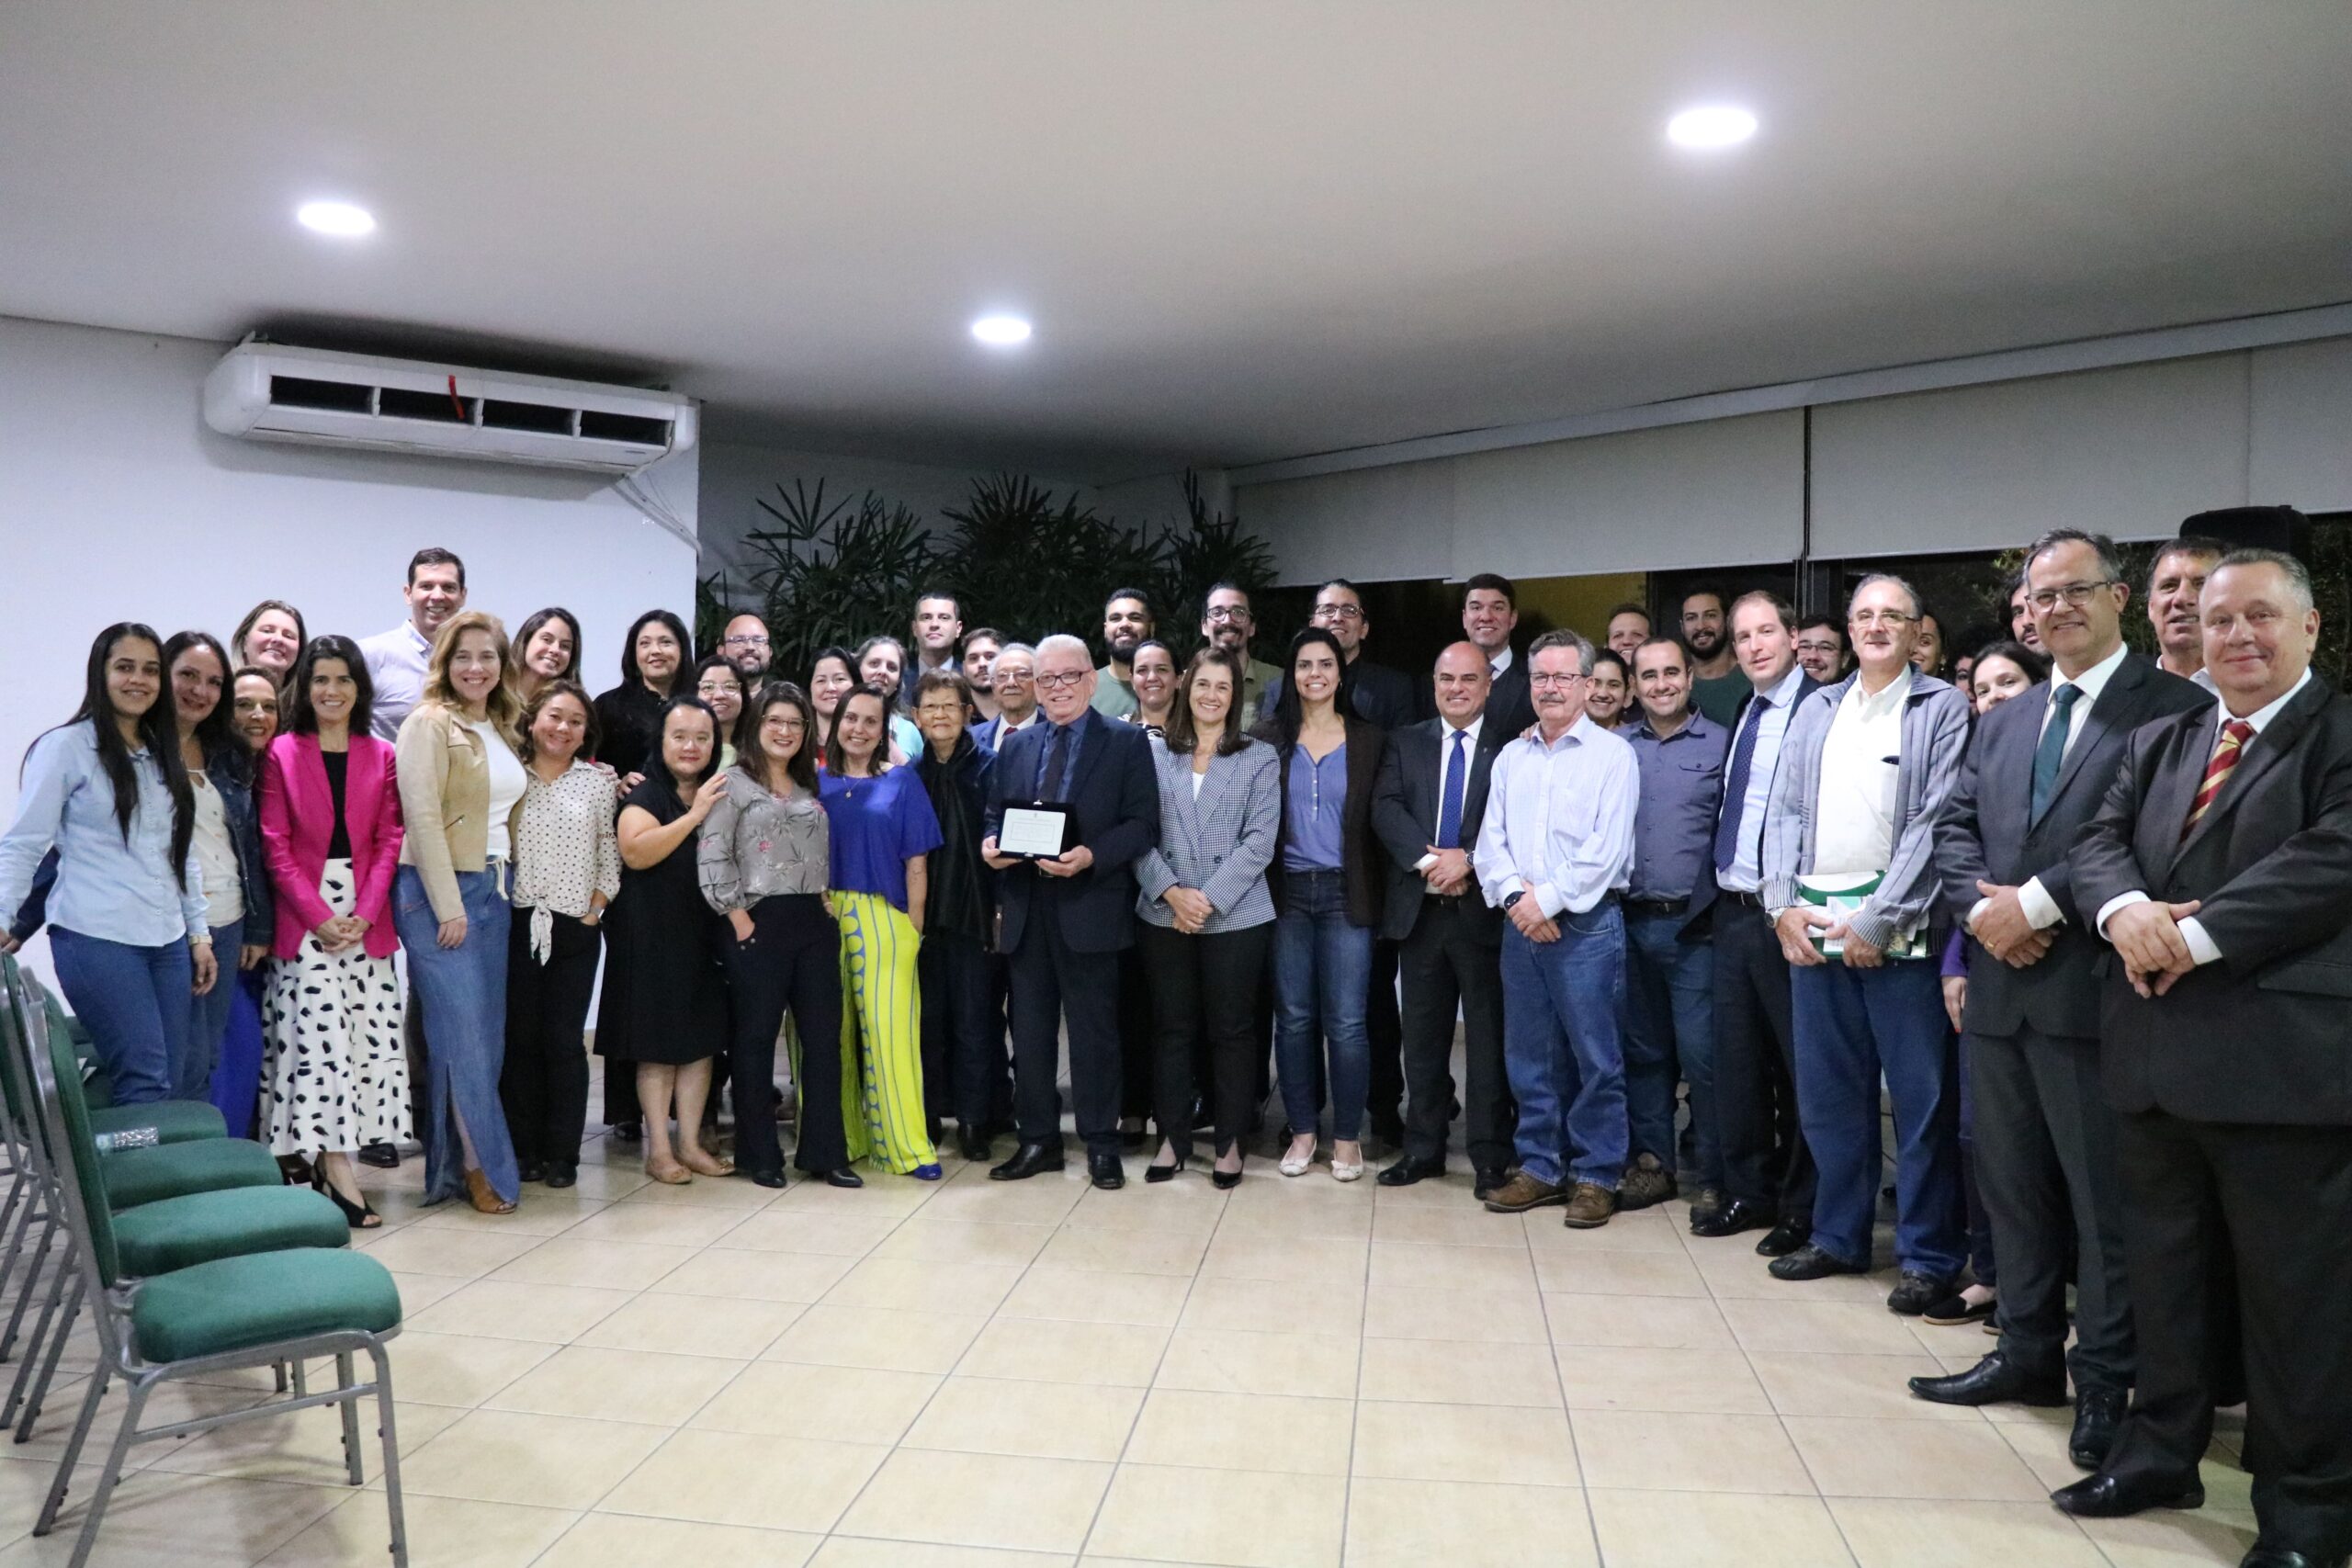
pixel 2076 594
pixel 1060 680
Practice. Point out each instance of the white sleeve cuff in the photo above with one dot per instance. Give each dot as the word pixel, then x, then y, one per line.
pixel 2121 901
pixel 2200 946
pixel 2040 907
pixel 1549 898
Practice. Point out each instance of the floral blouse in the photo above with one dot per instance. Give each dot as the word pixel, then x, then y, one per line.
pixel 565 848
pixel 756 845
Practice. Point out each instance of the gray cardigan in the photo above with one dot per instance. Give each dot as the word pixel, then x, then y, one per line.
pixel 1220 843
pixel 1935 737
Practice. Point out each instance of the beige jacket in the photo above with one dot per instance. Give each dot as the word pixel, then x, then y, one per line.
pixel 444 803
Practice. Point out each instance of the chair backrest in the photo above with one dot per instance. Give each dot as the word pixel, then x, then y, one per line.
pixel 65 1116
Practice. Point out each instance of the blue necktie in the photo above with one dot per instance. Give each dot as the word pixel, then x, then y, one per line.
pixel 1057 760
pixel 1742 757
pixel 2051 754
pixel 1449 811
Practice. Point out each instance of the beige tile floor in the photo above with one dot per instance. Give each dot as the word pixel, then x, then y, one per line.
pixel 966 1374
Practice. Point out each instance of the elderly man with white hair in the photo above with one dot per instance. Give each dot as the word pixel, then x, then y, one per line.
pixel 1062 915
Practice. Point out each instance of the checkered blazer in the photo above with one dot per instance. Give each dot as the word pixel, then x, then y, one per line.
pixel 1221 842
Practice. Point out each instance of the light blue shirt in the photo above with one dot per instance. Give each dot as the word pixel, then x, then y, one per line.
pixel 105 888
pixel 1559 821
pixel 1747 872
pixel 396 660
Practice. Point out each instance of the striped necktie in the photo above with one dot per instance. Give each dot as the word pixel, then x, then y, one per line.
pixel 2234 735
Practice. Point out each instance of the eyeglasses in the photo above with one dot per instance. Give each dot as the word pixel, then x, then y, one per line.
pixel 1014 674
pixel 718 689
pixel 1339 611
pixel 1892 620
pixel 743 639
pixel 1545 680
pixel 1063 681
pixel 2077 594
pixel 1225 613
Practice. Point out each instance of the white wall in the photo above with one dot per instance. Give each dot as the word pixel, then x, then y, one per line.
pixel 118 504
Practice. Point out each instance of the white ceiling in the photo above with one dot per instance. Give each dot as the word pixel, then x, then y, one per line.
pixel 1247 229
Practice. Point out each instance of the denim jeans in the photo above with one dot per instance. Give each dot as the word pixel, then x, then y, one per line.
pixel 208 1017
pixel 135 1002
pixel 1670 1024
pixel 1322 974
pixel 1561 1004
pixel 462 992
pixel 1852 1025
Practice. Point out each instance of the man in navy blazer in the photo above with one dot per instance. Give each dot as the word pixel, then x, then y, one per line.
pixel 1059 917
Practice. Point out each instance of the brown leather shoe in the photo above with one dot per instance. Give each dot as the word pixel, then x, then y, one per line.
pixel 1646 1182
pixel 1523 1193
pixel 1590 1208
pixel 483 1196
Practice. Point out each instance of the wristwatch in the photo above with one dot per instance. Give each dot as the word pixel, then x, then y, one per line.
pixel 1515 899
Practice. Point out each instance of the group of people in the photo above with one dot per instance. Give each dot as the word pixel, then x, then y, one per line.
pixel 2082 913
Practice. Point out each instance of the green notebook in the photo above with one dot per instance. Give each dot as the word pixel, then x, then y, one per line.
pixel 1842 895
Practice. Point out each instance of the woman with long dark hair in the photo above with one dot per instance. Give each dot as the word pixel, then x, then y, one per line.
pixel 270 638
pixel 128 928
pixel 831 675
pixel 882 665
pixel 227 843
pixel 762 864
pixel 236 1076
pixel 336 1067
pixel 1326 884
pixel 653 656
pixel 547 647
pixel 664 1011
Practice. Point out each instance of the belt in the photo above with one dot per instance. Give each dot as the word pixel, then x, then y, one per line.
pixel 1657 906
pixel 1748 900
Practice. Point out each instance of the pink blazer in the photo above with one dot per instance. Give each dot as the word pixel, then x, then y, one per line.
pixel 298 824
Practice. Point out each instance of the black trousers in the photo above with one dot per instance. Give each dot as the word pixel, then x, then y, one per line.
pixel 2046 1170
pixel 1051 982
pixel 966 1072
pixel 1765 1158
pixel 1452 959
pixel 544 1082
pixel 2277 1201
pixel 1205 993
pixel 1136 1038
pixel 1386 1097
pixel 792 961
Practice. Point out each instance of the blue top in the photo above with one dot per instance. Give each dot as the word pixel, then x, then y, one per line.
pixel 1318 798
pixel 1682 789
pixel 105 888
pixel 878 825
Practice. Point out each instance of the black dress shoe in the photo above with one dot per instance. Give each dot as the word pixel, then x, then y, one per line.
pixel 383 1156
pixel 1407 1171
pixel 2279 1557
pixel 766 1177
pixel 2098 1415
pixel 1028 1160
pixel 531 1170
pixel 842 1177
pixel 1995 1380
pixel 1486 1179
pixel 1916 1292
pixel 1788 1237
pixel 563 1173
pixel 629 1132
pixel 1102 1168
pixel 1731 1217
pixel 973 1142
pixel 1809 1262
pixel 2104 1496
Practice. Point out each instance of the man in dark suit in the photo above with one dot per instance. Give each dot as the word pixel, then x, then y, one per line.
pixel 1489 613
pixel 1062 916
pixel 1427 809
pixel 2220 868
pixel 2036 774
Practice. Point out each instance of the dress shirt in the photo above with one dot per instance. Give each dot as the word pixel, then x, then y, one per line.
pixel 1682 790
pixel 1559 823
pixel 105 888
pixel 565 849
pixel 1074 739
pixel 1446 732
pixel 2192 929
pixel 1853 807
pixel 1746 874
pixel 1313 839
pixel 396 661
pixel 2040 909
pixel 1499 662
pixel 755 845
pixel 2204 678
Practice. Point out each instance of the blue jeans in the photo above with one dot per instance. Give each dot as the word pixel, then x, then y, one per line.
pixel 462 991
pixel 1670 1020
pixel 1322 974
pixel 208 1017
pixel 1852 1025
pixel 134 1001
pixel 1561 1003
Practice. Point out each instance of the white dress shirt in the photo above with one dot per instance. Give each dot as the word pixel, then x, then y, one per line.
pixel 1559 822
pixel 1853 809
pixel 1746 874
pixel 2192 929
pixel 2040 909
pixel 396 661
pixel 1497 663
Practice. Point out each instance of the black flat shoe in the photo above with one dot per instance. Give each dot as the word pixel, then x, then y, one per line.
pixel 1154 1174
pixel 565 1175
pixel 766 1178
pixel 844 1178
pixel 2098 1416
pixel 973 1144
pixel 383 1156
pixel 1956 1309
pixel 1785 1238
pixel 2104 1496
pixel 1409 1170
pixel 1995 1380
pixel 1914 1292
pixel 1486 1179
pixel 1028 1160
pixel 1809 1262
pixel 1731 1217
pixel 534 1170
pixel 629 1132
pixel 1105 1171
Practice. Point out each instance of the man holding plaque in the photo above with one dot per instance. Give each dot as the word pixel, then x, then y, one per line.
pixel 1073 804
pixel 1849 879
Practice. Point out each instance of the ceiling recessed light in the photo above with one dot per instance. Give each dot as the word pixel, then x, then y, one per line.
pixel 341 219
pixel 1001 332
pixel 1714 125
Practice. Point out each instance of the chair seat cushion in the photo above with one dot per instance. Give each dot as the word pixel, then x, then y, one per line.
pixel 175 1120
pixel 236 1304
pixel 179 1233
pixel 174 1170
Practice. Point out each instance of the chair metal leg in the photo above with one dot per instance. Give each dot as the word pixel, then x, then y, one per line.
pixel 33 1347
pixel 32 1277
pixel 57 1337
pixel 24 1225
pixel 65 1478
pixel 392 1452
pixel 277 1370
pixel 103 1493
pixel 350 1412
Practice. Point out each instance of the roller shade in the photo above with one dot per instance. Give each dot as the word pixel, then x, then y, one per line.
pixel 2301 447
pixel 1372 524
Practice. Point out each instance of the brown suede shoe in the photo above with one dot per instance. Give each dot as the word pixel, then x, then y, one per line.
pixel 1522 1192
pixel 1646 1182
pixel 1590 1208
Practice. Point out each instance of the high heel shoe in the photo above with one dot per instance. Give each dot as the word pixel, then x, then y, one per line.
pixel 1225 1180
pixel 360 1217
pixel 1155 1174
pixel 483 1196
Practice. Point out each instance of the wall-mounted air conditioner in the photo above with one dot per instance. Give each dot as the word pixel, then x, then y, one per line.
pixel 274 393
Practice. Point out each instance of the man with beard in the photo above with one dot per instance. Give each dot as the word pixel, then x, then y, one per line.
pixel 746 646
pixel 1717 687
pixel 2022 627
pixel 1126 626
pixel 1821 648
pixel 981 645
pixel 1227 622
pixel 939 621
pixel 2174 578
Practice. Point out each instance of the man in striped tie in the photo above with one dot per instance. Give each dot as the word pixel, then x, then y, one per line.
pixel 2221 869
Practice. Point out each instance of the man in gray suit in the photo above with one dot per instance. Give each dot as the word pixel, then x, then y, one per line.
pixel 2035 775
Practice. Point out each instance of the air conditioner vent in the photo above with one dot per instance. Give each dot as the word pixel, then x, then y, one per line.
pixel 622 427
pixel 501 413
pixel 441 408
pixel 302 392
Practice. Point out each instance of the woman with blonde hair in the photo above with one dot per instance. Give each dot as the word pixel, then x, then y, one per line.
pixel 459 783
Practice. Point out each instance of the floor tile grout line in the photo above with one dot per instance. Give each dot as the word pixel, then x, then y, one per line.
pixel 1559 1376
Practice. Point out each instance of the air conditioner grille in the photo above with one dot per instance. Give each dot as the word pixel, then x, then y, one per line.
pixel 303 392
